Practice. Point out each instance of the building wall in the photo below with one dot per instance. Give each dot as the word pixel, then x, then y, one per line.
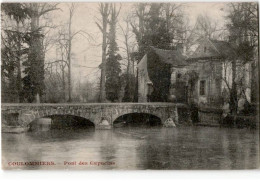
pixel 210 72
pixel 178 88
pixel 226 77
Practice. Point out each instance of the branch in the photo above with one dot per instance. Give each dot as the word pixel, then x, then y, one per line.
pixel 57 61
pixel 84 66
pixel 48 10
pixel 100 28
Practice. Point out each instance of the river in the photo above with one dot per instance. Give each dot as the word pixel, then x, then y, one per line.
pixel 132 148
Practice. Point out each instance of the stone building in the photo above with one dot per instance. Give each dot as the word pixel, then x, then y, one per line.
pixel 204 78
pixel 154 74
pixel 211 63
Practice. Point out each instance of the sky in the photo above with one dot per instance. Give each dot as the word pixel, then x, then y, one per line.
pixel 88 53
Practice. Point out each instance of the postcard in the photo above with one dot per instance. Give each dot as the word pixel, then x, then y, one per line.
pixel 130 86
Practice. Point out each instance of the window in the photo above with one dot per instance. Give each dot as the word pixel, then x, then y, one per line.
pixel 205 49
pixel 202 87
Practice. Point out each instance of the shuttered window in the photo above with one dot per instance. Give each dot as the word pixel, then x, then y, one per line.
pixel 202 87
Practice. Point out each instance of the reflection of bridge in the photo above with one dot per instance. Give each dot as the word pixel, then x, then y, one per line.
pixel 101 114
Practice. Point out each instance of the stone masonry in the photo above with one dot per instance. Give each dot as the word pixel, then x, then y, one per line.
pixel 23 114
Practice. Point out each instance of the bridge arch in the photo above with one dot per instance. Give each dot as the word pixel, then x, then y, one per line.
pixel 162 112
pixel 61 122
pixel 27 117
pixel 123 112
pixel 137 119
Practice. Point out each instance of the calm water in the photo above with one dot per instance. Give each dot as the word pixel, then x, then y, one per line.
pixel 134 148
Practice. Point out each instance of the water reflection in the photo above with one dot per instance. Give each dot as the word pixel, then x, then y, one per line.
pixel 136 148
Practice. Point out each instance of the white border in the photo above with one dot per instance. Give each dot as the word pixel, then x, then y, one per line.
pixel 129 176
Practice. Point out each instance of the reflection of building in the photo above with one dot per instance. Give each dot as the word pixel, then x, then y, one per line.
pixel 204 78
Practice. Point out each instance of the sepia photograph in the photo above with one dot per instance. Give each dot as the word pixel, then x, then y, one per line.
pixel 130 85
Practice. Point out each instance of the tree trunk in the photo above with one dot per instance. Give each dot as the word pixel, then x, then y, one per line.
pixel 104 48
pixel 127 97
pixel 136 87
pixel 37 60
pixel 63 83
pixel 133 64
pixel 103 70
pixel 69 59
pixel 37 98
pixel 19 74
pixel 233 92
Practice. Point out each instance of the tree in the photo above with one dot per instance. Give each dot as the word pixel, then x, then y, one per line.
pixel 205 27
pixel 129 81
pixel 113 69
pixel 138 28
pixel 13 49
pixel 62 52
pixel 157 34
pixel 152 30
pixel 53 84
pixel 243 30
pixel 176 21
pixel 72 10
pixel 34 79
pixel 104 12
pixel 64 44
pixel 158 25
pixel 128 78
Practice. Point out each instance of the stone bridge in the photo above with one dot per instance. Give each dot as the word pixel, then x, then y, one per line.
pixel 23 114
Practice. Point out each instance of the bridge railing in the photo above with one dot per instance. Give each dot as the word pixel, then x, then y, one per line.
pixel 92 104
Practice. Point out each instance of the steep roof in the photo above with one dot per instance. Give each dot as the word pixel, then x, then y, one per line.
pixel 223 47
pixel 214 49
pixel 173 57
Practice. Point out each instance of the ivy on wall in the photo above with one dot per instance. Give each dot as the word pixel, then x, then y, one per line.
pixel 160 74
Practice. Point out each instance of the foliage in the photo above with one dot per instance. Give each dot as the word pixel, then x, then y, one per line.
pixel 242 25
pixel 34 69
pixel 160 74
pixel 245 52
pixel 14 51
pixel 16 11
pixel 152 29
pixel 130 85
pixel 113 68
pixel 32 39
pixel 53 88
pixel 156 33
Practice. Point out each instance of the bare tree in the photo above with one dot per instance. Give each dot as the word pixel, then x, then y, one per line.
pixel 72 11
pixel 127 34
pixel 104 12
pixel 64 43
pixel 204 27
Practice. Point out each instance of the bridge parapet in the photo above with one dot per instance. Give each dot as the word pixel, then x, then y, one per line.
pixel 101 114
